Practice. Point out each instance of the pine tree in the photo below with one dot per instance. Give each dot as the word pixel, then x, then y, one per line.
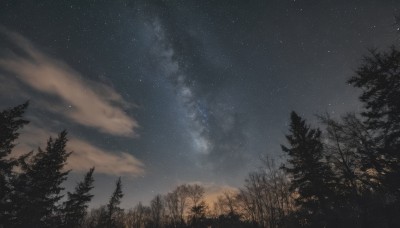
pixel 311 176
pixel 38 187
pixel 10 122
pixel 110 219
pixel 379 79
pixel 74 209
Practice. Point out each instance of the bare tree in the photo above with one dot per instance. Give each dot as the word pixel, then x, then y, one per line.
pixel 177 204
pixel 227 203
pixel 172 204
pixel 182 196
pixel 344 141
pixel 94 217
pixel 266 199
pixel 138 217
pixel 157 207
pixel 195 193
pixel 198 206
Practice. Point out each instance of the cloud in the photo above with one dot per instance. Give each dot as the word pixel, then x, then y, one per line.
pixel 84 154
pixel 116 163
pixel 91 104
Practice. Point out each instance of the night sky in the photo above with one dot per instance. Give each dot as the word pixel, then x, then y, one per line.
pixel 170 92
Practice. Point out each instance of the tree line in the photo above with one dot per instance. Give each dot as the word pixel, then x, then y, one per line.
pixel 344 173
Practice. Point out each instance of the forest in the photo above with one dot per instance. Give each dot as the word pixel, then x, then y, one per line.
pixel 343 173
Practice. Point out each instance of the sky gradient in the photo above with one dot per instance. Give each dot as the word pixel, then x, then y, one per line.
pixel 170 92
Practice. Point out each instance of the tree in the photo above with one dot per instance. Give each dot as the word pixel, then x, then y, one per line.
pixel 379 79
pixel 198 207
pixel 310 175
pixel 342 142
pixel 111 218
pixel 157 211
pixel 348 147
pixel 226 204
pixel 172 203
pixel 182 195
pixel 265 199
pixel 38 188
pixel 96 217
pixel 10 122
pixel 139 216
pixel 177 202
pixel 198 214
pixel 74 209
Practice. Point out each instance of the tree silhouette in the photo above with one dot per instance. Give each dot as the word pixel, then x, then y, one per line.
pixel 74 209
pixel 157 211
pixel 139 216
pixel 310 176
pixel 111 217
pixel 38 188
pixel 379 78
pixel 198 207
pixel 198 215
pixel 10 122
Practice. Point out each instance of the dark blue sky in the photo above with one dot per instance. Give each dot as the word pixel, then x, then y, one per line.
pixel 168 92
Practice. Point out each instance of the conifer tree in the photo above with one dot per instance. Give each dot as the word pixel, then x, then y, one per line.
pixel 311 176
pixel 115 201
pixel 378 77
pixel 38 187
pixel 74 209
pixel 10 122
pixel 110 219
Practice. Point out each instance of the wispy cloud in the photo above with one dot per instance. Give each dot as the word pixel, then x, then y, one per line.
pixel 84 154
pixel 91 104
pixel 116 163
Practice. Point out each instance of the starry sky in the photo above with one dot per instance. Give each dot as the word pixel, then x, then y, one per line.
pixel 170 92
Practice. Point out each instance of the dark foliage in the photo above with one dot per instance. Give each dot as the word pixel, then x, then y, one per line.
pixel 379 79
pixel 110 217
pixel 10 122
pixel 74 209
pixel 38 187
pixel 311 177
